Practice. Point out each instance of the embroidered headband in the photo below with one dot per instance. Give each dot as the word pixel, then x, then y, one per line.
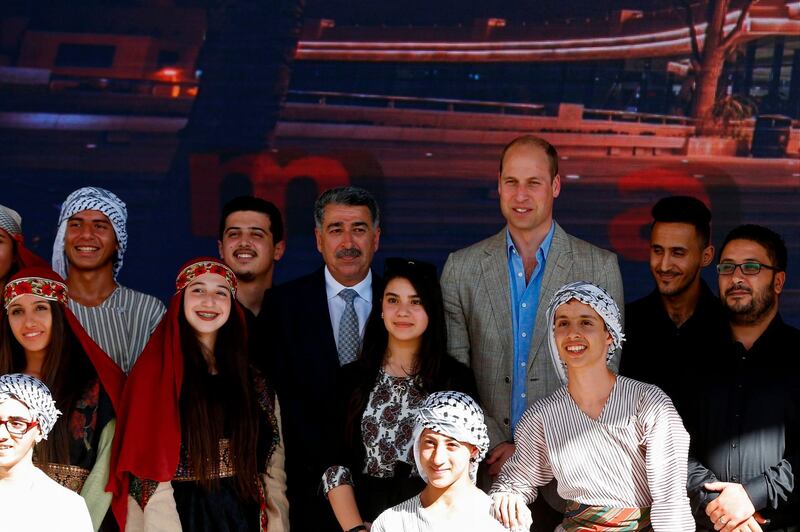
pixel 602 303
pixel 91 199
pixel 10 220
pixel 35 395
pixel 37 286
pixel 456 415
pixel 196 269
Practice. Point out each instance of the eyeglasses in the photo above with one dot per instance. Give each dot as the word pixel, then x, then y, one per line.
pixel 17 426
pixel 748 268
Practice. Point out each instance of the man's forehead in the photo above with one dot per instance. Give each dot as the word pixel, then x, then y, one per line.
pixel 739 247
pixel 337 214
pixel 248 220
pixel 90 215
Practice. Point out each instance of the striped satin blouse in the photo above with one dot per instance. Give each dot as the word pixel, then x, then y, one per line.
pixel 122 324
pixel 633 455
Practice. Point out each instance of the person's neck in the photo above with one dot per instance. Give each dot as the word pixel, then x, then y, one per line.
pixel 590 388
pixel 748 333
pixel 34 361
pixel 207 343
pixel 20 471
pixel 251 294
pixel 680 307
pixel 91 288
pixel 528 242
pixel 450 499
pixel 401 357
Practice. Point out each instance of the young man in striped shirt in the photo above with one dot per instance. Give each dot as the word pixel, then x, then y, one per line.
pixel 88 252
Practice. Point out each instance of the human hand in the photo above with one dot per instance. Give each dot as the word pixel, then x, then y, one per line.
pixel 498 456
pixel 510 509
pixel 751 524
pixel 731 509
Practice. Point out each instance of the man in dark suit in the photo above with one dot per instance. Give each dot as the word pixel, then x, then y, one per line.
pixel 315 325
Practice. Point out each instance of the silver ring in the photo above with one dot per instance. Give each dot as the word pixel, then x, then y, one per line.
pixel 722 520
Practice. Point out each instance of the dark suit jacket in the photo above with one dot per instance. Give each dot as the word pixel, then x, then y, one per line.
pixel 303 364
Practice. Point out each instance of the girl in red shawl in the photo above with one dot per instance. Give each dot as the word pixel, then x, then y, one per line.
pixel 197 435
pixel 41 337
pixel 13 253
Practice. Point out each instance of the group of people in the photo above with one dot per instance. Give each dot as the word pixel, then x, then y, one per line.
pixel 348 400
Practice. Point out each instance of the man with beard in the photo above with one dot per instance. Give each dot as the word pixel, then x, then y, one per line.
pixel 250 242
pixel 681 320
pixel 744 421
pixel 315 324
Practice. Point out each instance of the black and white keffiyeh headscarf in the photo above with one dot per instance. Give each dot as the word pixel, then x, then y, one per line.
pixel 91 199
pixel 35 395
pixel 456 415
pixel 10 220
pixel 602 303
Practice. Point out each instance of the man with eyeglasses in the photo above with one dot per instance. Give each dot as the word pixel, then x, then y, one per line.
pixel 29 499
pixel 675 326
pixel 744 421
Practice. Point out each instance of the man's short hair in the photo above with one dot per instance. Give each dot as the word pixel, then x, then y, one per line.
pixel 251 203
pixel 532 141
pixel 767 238
pixel 684 210
pixel 350 196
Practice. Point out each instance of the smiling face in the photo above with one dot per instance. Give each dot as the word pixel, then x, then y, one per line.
pixel 677 255
pixel 347 240
pixel 527 190
pixel 247 245
pixel 581 336
pixel 90 242
pixel 404 315
pixel 443 459
pixel 207 305
pixel 31 320
pixel 749 298
pixel 15 449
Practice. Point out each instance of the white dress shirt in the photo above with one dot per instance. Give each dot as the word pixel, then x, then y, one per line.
pixel 362 303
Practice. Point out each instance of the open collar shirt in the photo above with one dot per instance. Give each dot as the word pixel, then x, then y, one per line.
pixel 524 304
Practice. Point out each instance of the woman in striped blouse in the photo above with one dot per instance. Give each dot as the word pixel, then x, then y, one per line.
pixel 616 446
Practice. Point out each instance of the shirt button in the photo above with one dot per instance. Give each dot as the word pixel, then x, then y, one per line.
pixel 522 395
pixel 524 335
pixel 524 305
pixel 519 274
pixel 733 445
pixel 505 422
pixel 522 364
pixel 507 379
pixel 734 478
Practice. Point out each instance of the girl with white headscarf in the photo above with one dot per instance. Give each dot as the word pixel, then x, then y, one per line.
pixel 450 440
pixel 616 446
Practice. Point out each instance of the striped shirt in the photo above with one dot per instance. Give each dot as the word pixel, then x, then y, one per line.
pixel 122 324
pixel 634 455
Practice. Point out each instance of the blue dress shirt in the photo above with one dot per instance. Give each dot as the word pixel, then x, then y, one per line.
pixel 524 304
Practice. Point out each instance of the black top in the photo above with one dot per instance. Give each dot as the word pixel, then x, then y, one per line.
pixel 744 427
pixel 658 352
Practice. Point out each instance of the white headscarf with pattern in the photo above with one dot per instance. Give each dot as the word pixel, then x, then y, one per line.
pixel 602 303
pixel 35 395
pixel 91 199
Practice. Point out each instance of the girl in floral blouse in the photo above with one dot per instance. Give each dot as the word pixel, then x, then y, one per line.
pixel 42 338
pixel 403 359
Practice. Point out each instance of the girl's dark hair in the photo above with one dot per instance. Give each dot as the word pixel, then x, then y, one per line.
pixel 66 371
pixel 433 345
pixel 227 408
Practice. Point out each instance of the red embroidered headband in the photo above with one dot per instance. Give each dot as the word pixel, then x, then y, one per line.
pixel 196 269
pixel 37 286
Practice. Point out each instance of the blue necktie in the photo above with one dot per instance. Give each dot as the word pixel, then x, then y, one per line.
pixel 349 339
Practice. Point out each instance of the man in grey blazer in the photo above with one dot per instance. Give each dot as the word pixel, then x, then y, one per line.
pixel 496 292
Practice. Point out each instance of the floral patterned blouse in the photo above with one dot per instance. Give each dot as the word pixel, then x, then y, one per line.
pixel 386 428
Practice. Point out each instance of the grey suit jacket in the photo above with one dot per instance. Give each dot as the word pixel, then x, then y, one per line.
pixel 477 302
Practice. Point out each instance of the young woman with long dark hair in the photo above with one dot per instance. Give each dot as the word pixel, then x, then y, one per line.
pixel 41 337
pixel 403 359
pixel 198 437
